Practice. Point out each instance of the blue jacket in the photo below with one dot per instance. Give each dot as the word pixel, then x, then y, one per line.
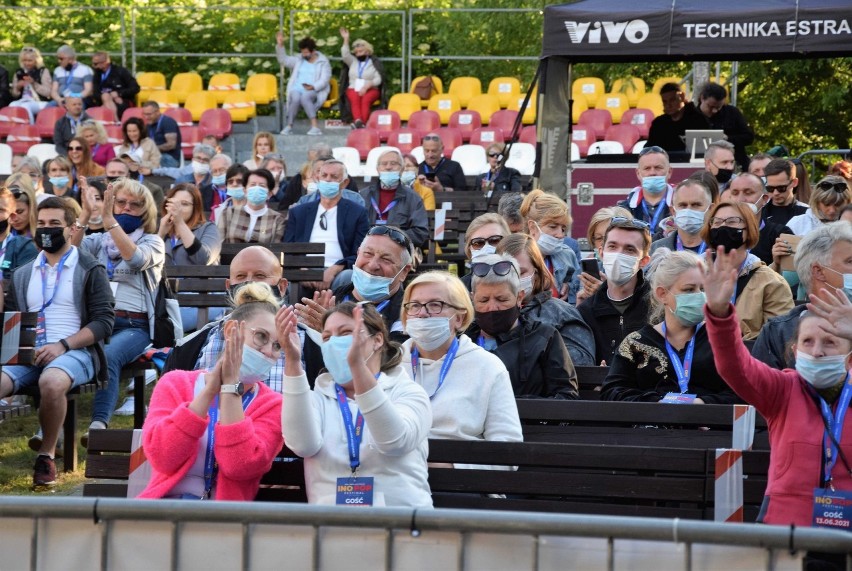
pixel 352 226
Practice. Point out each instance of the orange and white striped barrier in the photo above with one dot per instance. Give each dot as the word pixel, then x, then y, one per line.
pixel 743 429
pixel 440 223
pixel 11 342
pixel 225 87
pixel 728 504
pixel 140 468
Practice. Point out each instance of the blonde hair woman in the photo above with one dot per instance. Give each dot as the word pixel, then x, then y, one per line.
pixel 364 83
pixel 96 136
pixel 262 145
pixel 547 220
pixel 32 82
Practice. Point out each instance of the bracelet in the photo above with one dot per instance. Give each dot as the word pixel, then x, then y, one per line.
pixel 80 226
pixel 113 227
pixel 65 344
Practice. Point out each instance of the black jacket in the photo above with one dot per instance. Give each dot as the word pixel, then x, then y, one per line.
pixel 736 129
pixel 408 214
pixel 119 79
pixel 448 172
pixel 507 180
pixel 537 360
pixel 668 134
pixel 184 355
pixel 64 131
pixel 609 326
pixel 768 234
pixel 576 333
pixel 5 89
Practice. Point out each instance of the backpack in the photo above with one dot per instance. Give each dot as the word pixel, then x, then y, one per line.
pixel 425 88
pixel 168 326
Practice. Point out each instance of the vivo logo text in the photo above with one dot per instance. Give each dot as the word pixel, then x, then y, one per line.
pixel 634 31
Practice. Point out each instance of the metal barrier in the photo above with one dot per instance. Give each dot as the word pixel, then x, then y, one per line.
pixel 85 533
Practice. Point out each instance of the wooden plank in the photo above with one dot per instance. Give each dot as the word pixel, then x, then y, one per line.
pixel 472 501
pixel 105 490
pixel 625 413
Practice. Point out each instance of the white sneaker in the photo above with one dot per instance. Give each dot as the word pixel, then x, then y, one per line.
pixel 287 130
pixel 126 408
pixel 315 131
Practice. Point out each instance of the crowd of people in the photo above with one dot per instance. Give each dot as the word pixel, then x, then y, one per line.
pixel 693 292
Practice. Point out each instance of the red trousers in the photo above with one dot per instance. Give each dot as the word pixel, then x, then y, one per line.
pixel 361 104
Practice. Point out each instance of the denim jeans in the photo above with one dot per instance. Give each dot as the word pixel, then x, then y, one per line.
pixel 168 161
pixel 129 339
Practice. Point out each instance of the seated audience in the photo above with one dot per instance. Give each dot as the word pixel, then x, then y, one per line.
pixel 470 389
pixel 31 167
pixel 409 178
pixel 309 83
pixel 781 180
pixel 509 207
pixel 66 127
pixel 350 191
pixel 274 163
pixel 651 200
pixel 619 306
pixel 690 202
pixel 534 354
pixel 113 86
pixel 196 172
pixel 189 239
pixel 547 221
pixel 498 178
pixel 760 293
pixel 438 173
pixel 82 165
pixel 118 168
pixel 361 82
pixel 235 190
pixel 254 222
pixel 262 145
pixel 15 250
pixel 139 144
pixel 719 162
pixel 669 360
pixel 23 219
pixel 96 136
pixel 483 234
pixel 748 189
pixel 32 83
pixel 539 305
pixel 385 417
pixel 165 133
pixel 59 174
pixel 598 224
pixel 225 416
pixel 70 78
pixel 829 197
pixel 214 192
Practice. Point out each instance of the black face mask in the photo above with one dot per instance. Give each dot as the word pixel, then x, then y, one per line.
pixel 497 322
pixel 362 58
pixel 69 66
pixel 4 225
pixel 724 175
pixel 729 238
pixel 232 291
pixel 50 239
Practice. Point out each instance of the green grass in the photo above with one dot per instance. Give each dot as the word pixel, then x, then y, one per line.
pixel 16 459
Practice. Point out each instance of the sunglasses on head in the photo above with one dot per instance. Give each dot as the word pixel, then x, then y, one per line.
pixel 478 243
pixel 481 269
pixel 838 187
pixel 651 149
pixel 399 237
pixel 431 138
pixel 622 222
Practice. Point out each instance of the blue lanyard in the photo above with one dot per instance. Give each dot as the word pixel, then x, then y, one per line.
pixel 175 241
pixel 110 267
pixel 210 458
pixel 106 74
pixel 739 271
pixel 362 65
pixel 45 304
pixel 679 245
pixel 381 213
pixel 69 77
pixel 657 215
pixel 445 367
pixel 155 129
pixel 354 431
pixel 223 194
pixel 835 425
pixel 488 176
pixel 683 370
pixel 430 170
pixel 379 307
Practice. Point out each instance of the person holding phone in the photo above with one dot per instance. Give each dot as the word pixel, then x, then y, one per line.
pixel 437 172
pixel 309 83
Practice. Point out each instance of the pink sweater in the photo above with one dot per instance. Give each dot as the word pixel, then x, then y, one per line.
pixel 795 424
pixel 244 450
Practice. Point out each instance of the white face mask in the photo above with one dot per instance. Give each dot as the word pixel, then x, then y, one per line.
pixel 548 244
pixel 200 168
pixel 821 372
pixel 483 251
pixel 527 285
pixel 620 268
pixel 428 333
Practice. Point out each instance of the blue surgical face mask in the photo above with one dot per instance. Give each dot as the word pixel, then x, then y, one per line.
pixel 237 193
pixel 389 179
pixel 689 308
pixel 408 177
pixel 334 354
pixel 218 179
pixel 690 221
pixel 257 195
pixel 312 187
pixel 59 181
pixel 328 188
pixel 486 250
pixel 821 372
pixel 255 366
pixel 370 287
pixel 654 184
pixel 847 282
pixel 128 222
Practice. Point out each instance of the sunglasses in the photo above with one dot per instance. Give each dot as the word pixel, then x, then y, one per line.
pixel 134 205
pixel 323 222
pixel 478 243
pixel 771 189
pixel 399 237
pixel 481 269
pixel 494 155
pixel 622 222
pixel 75 149
pixel 838 187
pixel 651 149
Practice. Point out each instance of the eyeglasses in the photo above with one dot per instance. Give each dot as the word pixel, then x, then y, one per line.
pixel 771 189
pixel 622 222
pixel 839 187
pixel 733 221
pixel 598 238
pixel 494 155
pixel 481 269
pixel 260 339
pixel 75 149
pixel 478 243
pixel 413 308
pixel 323 222
pixel 652 149
pixel 399 237
pixel 133 204
pixel 431 138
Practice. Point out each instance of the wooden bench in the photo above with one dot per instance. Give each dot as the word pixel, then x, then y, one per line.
pixel 568 478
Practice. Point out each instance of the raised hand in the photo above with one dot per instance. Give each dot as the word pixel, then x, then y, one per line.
pixel 310 311
pixel 836 309
pixel 721 281
pixel 232 354
pixel 362 347
pixel 285 325
pixel 344 33
pixel 108 208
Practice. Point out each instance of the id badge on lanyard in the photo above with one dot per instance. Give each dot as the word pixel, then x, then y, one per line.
pixel 353 490
pixel 832 507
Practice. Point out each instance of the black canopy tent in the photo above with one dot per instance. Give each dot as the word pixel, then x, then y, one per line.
pixel 669 30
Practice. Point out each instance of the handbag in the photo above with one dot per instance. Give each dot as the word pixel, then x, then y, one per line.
pixel 425 88
pixel 168 326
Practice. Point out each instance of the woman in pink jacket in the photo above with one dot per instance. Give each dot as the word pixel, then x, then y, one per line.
pixel 214 434
pixel 810 434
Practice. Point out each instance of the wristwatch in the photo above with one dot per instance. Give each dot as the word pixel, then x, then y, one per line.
pixel 237 389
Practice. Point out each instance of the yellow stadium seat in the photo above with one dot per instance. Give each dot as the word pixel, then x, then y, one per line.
pixel 185 83
pixel 436 82
pixel 651 101
pixel 615 103
pixel 577 109
pixel 333 94
pixel 632 87
pixel 505 88
pixel 529 112
pixel 263 88
pixel 240 105
pixel 486 104
pixel 589 87
pixel 149 81
pixel 404 104
pixel 664 80
pixel 222 83
pixel 444 105
pixel 465 89
pixel 165 99
pixel 198 102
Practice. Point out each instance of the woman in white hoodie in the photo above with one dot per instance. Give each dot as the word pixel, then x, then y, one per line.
pixel 363 429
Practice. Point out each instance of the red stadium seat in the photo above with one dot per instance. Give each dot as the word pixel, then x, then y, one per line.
pixel 115 136
pixel 404 139
pixel 639 118
pixel 485 136
pixel 181 115
pixel 190 136
pixel 384 122
pixel 528 135
pixel 11 116
pixel 623 133
pixel 132 112
pixel 583 137
pixel 424 121
pixel 216 122
pixel 103 114
pixel 466 122
pixel 452 138
pixel 364 140
pixel 22 137
pixel 599 119
pixel 46 121
pixel 505 120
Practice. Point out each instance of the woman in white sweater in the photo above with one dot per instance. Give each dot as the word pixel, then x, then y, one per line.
pixel 365 78
pixel 363 429
pixel 470 389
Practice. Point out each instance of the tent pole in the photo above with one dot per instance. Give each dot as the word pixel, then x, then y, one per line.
pixel 569 167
